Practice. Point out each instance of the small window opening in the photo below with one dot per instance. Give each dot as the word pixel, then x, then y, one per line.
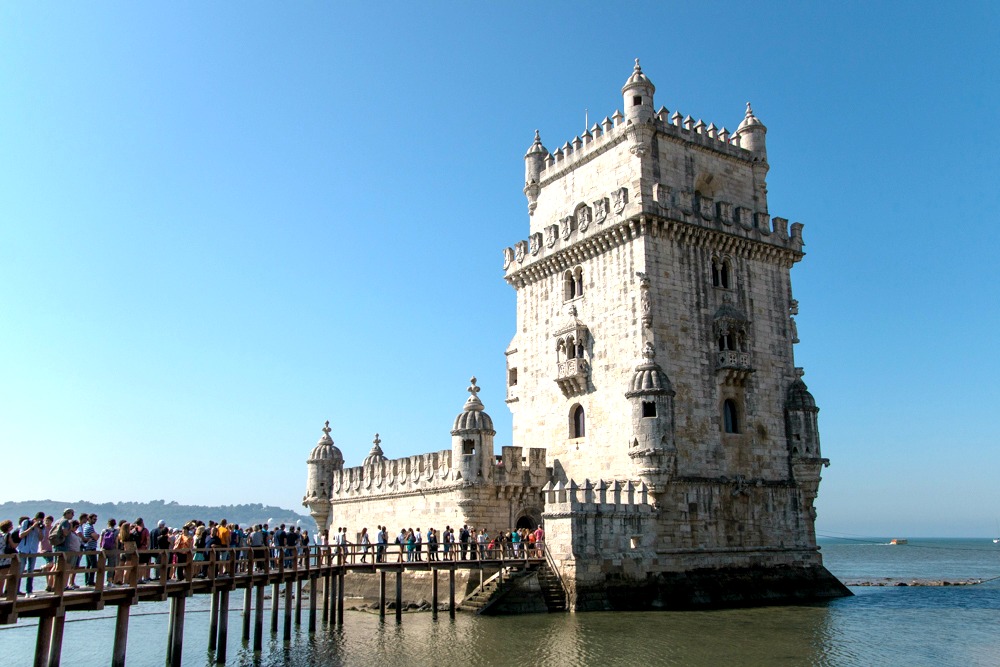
pixel 579 423
pixel 648 409
pixel 636 100
pixel 512 377
pixel 570 349
pixel 730 417
pixel 468 447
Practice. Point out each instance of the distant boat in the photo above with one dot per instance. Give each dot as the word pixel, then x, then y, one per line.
pixel 996 540
pixel 899 540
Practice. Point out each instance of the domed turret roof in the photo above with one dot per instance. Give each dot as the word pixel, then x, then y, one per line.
pixel 473 416
pixel 325 450
pixel 799 398
pixel 638 79
pixel 536 147
pixel 375 455
pixel 649 379
pixel 750 121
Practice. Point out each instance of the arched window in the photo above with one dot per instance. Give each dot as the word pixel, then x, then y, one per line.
pixel 573 284
pixel 579 423
pixel 730 416
pixel 721 273
pixel 569 286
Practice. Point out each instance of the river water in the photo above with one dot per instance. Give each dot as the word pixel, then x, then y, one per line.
pixel 881 625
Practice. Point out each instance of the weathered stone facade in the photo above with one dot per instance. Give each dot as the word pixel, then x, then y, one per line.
pixel 651 378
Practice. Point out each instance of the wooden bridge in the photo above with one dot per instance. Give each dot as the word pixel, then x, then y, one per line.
pixel 218 572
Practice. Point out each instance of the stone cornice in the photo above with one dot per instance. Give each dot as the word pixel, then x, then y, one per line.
pixel 683 233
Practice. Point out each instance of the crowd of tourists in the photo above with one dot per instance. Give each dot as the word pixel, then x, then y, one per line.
pixel 411 545
pixel 41 537
pixel 125 542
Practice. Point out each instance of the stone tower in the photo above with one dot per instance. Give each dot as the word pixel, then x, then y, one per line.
pixel 653 356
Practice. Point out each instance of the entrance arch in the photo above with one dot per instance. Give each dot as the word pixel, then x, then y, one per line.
pixel 526 522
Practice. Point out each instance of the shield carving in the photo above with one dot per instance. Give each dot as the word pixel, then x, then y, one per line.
pixel 583 217
pixel 551 234
pixel 620 198
pixel 601 210
pixel 566 227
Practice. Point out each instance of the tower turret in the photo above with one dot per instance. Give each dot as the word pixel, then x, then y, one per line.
pixel 323 462
pixel 472 440
pixel 534 162
pixel 652 398
pixel 751 133
pixel 637 97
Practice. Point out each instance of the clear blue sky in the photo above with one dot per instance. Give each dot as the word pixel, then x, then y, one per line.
pixel 222 224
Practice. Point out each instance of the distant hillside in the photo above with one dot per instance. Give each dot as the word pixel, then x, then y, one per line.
pixel 172 512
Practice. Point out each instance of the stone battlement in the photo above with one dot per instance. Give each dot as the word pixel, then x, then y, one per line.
pixel 611 131
pixel 604 496
pixel 435 470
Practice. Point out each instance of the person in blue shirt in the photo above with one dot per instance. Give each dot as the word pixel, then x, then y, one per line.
pixel 30 532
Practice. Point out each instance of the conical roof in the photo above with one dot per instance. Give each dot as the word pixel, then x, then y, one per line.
pixel 473 416
pixel 325 450
pixel 649 379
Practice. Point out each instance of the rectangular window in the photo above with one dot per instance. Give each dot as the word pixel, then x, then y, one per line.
pixel 648 409
pixel 512 377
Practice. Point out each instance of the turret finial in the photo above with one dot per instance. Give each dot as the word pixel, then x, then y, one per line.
pixel 749 111
pixel 326 427
pixel 637 68
pixel 377 441
pixel 473 389
pixel 648 352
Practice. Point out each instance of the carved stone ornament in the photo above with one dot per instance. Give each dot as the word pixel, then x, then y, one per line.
pixel 601 210
pixel 551 235
pixel 508 257
pixel 644 304
pixel 536 242
pixel 583 217
pixel 520 248
pixel 566 227
pixel 619 198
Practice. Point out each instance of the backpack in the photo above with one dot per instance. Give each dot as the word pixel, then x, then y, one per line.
pixel 109 539
pixel 56 536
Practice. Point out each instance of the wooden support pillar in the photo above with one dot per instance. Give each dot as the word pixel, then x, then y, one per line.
pixel 258 626
pixel 121 636
pixel 340 598
pixel 43 641
pixel 177 640
pixel 288 612
pixel 298 602
pixel 451 592
pixel 327 583
pixel 399 595
pixel 170 631
pixel 381 595
pixel 220 653
pixel 334 580
pixel 247 611
pixel 213 621
pixel 275 604
pixel 313 583
pixel 55 648
pixel 434 593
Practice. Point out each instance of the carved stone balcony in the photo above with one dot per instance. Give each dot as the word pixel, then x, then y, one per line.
pixel 734 360
pixel 735 365
pixel 573 376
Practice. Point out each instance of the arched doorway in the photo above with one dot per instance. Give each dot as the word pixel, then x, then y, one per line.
pixel 526 522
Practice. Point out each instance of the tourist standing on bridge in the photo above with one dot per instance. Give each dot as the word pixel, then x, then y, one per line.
pixel 108 543
pixel 380 540
pixel 88 535
pixel 418 545
pixel 30 535
pixel 463 538
pixel 9 538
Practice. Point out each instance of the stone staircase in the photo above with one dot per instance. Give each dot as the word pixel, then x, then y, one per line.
pixel 552 589
pixel 493 591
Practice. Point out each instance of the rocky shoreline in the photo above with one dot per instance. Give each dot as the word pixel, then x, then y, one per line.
pixel 891 581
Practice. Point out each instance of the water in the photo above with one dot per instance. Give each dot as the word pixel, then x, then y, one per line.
pixel 955 625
